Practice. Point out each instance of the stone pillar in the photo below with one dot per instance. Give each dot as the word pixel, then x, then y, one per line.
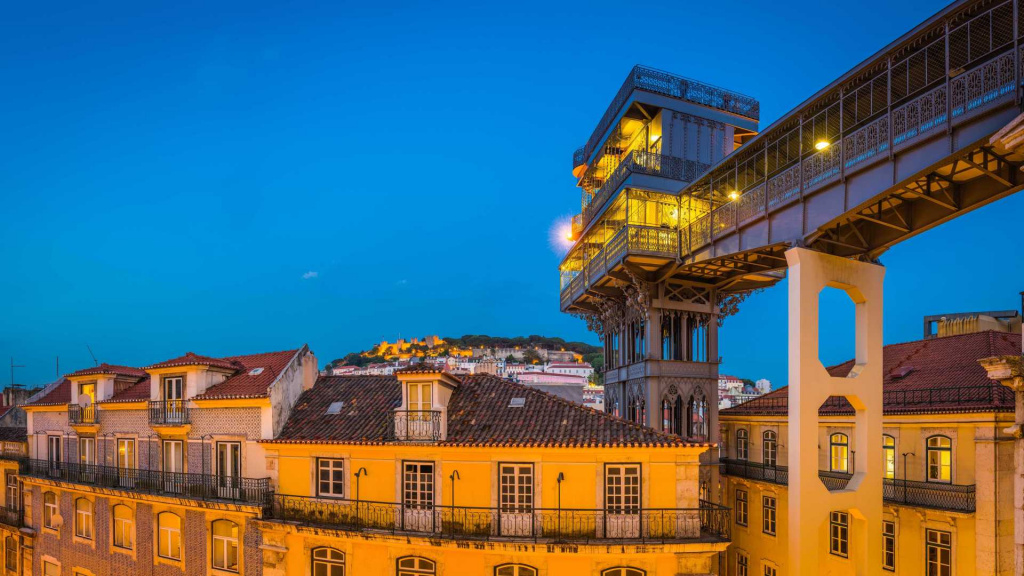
pixel 1007 370
pixel 809 386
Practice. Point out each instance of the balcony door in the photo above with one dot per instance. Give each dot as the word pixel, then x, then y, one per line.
pixel 516 494
pixel 419 420
pixel 173 466
pixel 53 453
pixel 126 462
pixel 173 406
pixel 229 469
pixel 418 496
pixel 622 500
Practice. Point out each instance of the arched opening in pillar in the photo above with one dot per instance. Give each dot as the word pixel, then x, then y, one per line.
pixel 697 416
pixel 836 326
pixel 673 420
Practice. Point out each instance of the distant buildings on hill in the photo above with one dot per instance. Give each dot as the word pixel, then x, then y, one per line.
pixel 437 347
pixel 733 391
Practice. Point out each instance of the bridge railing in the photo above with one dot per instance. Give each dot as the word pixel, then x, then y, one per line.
pixel 911 93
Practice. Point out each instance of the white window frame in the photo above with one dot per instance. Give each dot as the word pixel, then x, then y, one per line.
pixel 50 510
pixel 418 484
pixel 224 545
pixel 84 518
pixel 87 449
pixel 839 534
pixel 622 488
pixel 936 568
pixel 123 527
pixel 742 444
pixel 769 509
pixel 172 535
pixel 515 487
pixel 742 510
pixel 888 536
pixel 332 467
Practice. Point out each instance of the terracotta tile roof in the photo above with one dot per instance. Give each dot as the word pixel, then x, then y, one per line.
pixel 193 359
pixel 109 369
pixel 478 415
pixel 247 384
pixel 60 394
pixel 13 434
pixel 938 375
pixel 138 392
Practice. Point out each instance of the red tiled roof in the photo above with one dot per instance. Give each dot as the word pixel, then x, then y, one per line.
pixel 937 375
pixel 245 384
pixel 60 394
pixel 478 415
pixel 193 359
pixel 109 369
pixel 137 392
pixel 13 434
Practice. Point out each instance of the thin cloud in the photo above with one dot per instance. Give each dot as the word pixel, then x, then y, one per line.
pixel 310 275
pixel 401 282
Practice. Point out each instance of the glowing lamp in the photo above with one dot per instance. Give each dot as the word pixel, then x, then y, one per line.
pixel 654 137
pixel 822 144
pixel 568 234
pixel 734 195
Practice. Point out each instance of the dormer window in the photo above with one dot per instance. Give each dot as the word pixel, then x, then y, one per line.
pixel 87 389
pixel 420 399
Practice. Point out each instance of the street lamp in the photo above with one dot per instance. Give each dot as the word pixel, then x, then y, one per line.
pixel 360 473
pixel 561 476
pixel 453 477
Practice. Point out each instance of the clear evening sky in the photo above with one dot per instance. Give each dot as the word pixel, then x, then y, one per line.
pixel 246 177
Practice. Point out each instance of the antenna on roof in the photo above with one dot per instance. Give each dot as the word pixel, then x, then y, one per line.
pixel 94 360
pixel 58 367
pixel 13 366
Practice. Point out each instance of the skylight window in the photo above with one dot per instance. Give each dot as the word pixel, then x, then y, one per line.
pixel 517 403
pixel 335 407
pixel 255 371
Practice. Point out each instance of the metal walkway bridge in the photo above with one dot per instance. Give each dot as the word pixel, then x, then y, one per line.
pixel 914 136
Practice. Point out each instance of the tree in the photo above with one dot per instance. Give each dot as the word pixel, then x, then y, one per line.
pixel 530 356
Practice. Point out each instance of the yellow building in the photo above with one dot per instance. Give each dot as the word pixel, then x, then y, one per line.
pixel 425 474
pixel 948 466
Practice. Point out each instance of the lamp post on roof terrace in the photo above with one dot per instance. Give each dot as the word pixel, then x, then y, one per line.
pixel 453 477
pixel 905 454
pixel 561 476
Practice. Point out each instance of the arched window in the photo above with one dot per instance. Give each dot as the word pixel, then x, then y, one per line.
pixel 703 492
pixel 515 570
pixel 225 545
pixel 416 566
pixel 83 518
pixel 124 527
pixel 623 571
pixel 328 562
pixel 697 416
pixel 667 425
pixel 839 451
pixel 889 452
pixel 11 553
pixel 769 448
pixel 169 535
pixel 742 443
pixel 50 510
pixel 940 459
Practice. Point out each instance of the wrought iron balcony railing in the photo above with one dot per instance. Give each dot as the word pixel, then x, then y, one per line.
pixel 253 491
pixel 168 413
pixel 14 517
pixel 413 426
pixel 994 396
pixel 709 522
pixel 954 497
pixel 642 162
pixel 83 414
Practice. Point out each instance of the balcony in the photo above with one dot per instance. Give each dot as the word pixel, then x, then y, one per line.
pixel 13 451
pixel 168 413
pixel 83 415
pixel 246 491
pixel 708 523
pixel 413 426
pixel 13 517
pixel 935 495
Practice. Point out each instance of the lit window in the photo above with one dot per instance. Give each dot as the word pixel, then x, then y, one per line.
pixel 839 534
pixel 50 510
pixel 889 451
pixel 741 507
pixel 330 477
pixel 415 566
pixel 225 545
pixel 938 552
pixel 741 564
pixel 87 450
pixel 328 562
pixel 169 535
pixel 741 444
pixel 124 528
pixel 769 448
pixel 768 515
pixel 940 459
pixel 889 546
pixel 51 569
pixel 515 570
pixel 839 449
pixel 11 553
pixel 83 518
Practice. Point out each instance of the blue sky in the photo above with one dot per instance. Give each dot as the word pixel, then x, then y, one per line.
pixel 230 178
